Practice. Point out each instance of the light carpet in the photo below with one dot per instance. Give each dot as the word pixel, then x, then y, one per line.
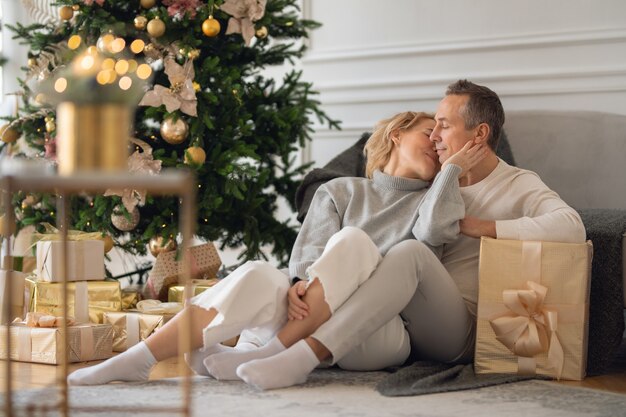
pixel 331 392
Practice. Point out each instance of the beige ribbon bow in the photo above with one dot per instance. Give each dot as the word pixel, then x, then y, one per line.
pixel 524 330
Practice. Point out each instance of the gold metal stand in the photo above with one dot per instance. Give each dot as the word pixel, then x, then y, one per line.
pixel 176 183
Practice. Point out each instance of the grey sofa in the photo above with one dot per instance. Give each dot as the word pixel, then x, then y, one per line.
pixel 580 155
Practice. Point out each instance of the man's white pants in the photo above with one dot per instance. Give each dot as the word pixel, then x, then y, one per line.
pixel 366 294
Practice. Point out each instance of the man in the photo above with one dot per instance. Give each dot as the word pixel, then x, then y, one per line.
pixel 501 201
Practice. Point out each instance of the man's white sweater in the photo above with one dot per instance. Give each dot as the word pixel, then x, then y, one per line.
pixel 523 207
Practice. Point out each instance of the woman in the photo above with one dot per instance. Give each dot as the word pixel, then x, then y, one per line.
pixel 356 229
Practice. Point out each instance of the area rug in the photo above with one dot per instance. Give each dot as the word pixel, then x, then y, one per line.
pixel 331 392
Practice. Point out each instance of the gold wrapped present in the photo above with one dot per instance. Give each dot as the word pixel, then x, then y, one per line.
pixel 130 298
pixel 26 264
pixel 85 260
pixel 87 342
pixel 18 302
pixel 204 264
pixel 131 327
pixel 175 293
pixel 533 308
pixel 87 300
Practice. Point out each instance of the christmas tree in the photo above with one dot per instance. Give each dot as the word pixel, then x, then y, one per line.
pixel 208 107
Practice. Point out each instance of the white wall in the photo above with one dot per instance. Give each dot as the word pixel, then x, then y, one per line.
pixel 371 59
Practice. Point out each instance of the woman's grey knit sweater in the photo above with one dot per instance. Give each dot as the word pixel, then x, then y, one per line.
pixel 389 209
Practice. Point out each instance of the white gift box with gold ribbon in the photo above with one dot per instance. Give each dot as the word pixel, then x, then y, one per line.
pixel 18 297
pixel 87 342
pixel 85 260
pixel 533 308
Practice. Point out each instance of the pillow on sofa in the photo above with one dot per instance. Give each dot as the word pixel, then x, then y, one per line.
pixel 351 163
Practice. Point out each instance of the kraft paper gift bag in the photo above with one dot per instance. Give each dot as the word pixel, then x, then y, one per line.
pixel 533 308
pixel 205 262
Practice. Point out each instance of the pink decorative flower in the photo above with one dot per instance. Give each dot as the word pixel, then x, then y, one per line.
pixel 178 8
pixel 90 2
pixel 50 147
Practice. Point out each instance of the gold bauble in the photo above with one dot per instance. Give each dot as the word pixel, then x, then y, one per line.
pixel 156 27
pixel 195 155
pixel 32 62
pixel 174 132
pixel 75 7
pixel 261 32
pixel 157 245
pixel 147 4
pixel 66 12
pixel 8 134
pixel 140 22
pixel 193 54
pixel 108 243
pixel 211 27
pixel 120 221
pixel 50 126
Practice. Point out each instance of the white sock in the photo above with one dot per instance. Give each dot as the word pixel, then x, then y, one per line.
pixel 133 365
pixel 290 367
pixel 223 366
pixel 196 358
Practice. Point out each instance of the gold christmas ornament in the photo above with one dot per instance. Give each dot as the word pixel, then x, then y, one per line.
pixel 75 7
pixel 156 27
pixel 141 22
pixel 147 4
pixel 50 126
pixel 211 27
pixel 174 132
pixel 121 222
pixel 157 245
pixel 261 32
pixel 195 155
pixel 8 134
pixel 196 86
pixel 66 12
pixel 193 54
pixel 108 243
pixel 32 62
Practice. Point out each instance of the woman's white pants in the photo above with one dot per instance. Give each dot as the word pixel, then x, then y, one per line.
pixel 366 294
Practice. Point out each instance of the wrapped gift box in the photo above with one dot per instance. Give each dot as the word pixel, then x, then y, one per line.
pixel 26 264
pixel 85 260
pixel 87 300
pixel 533 308
pixel 175 293
pixel 130 298
pixel 131 327
pixel 18 302
pixel 205 262
pixel 87 342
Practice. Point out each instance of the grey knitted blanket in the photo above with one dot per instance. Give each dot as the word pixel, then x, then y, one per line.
pixel 425 377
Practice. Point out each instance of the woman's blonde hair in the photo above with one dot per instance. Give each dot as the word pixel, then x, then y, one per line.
pixel 378 147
